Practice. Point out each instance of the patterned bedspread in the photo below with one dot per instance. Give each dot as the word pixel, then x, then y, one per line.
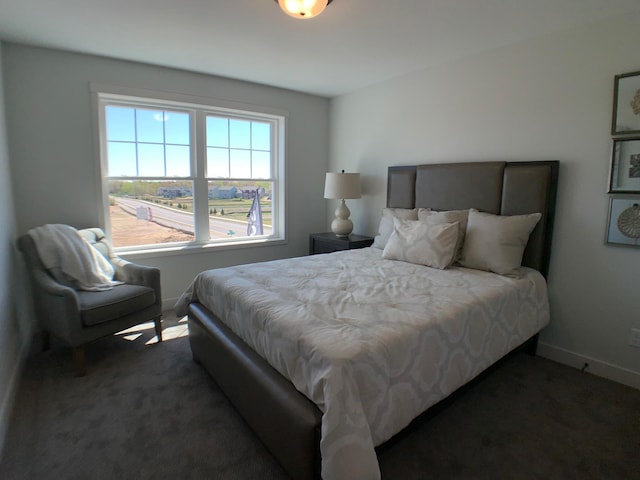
pixel 372 342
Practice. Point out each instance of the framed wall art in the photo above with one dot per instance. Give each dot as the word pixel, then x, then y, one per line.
pixel 623 224
pixel 626 104
pixel 625 166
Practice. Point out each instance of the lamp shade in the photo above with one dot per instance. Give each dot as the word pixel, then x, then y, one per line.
pixel 342 185
pixel 303 8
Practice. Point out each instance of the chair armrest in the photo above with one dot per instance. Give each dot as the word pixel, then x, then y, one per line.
pixel 58 307
pixel 136 274
pixel 49 286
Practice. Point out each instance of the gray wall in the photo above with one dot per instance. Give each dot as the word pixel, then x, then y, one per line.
pixel 55 172
pixel 549 98
pixel 13 336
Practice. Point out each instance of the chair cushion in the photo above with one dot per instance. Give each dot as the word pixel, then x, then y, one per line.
pixel 121 300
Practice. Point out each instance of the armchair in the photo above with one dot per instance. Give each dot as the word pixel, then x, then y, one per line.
pixel 78 317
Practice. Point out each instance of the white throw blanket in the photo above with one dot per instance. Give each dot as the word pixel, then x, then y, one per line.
pixel 71 259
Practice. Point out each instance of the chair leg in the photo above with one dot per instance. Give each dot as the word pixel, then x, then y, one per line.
pixel 158 322
pixel 78 357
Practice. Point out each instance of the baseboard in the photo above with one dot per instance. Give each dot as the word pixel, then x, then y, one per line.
pixel 595 366
pixel 6 405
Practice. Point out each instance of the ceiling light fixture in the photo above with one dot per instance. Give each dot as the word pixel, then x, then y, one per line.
pixel 303 8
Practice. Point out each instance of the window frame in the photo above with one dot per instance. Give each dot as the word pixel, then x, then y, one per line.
pixel 198 109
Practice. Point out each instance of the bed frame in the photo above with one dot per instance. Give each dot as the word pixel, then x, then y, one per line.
pixel 286 421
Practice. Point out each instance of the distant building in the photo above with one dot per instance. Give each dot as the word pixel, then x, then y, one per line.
pixel 222 192
pixel 249 191
pixel 174 191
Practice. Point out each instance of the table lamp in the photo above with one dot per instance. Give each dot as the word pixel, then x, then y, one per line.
pixel 341 186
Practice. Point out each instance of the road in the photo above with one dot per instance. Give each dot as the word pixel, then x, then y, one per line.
pixel 173 218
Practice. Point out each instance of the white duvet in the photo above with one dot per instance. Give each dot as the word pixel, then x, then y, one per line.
pixel 372 342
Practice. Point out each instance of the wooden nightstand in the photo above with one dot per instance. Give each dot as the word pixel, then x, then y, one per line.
pixel 328 242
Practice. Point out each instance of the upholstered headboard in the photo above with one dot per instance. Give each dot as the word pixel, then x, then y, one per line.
pixel 501 188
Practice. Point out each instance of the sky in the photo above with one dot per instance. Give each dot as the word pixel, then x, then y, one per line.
pixel 156 143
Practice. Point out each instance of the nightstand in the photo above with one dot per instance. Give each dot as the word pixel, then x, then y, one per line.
pixel 328 242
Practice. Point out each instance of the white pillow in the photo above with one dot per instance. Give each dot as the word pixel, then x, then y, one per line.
pixel 385 229
pixel 449 216
pixel 418 242
pixel 496 243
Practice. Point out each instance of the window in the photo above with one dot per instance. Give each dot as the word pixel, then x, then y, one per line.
pixel 177 173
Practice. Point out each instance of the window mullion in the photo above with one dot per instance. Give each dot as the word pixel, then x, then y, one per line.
pixel 201 185
pixel 135 137
pixel 164 141
pixel 229 145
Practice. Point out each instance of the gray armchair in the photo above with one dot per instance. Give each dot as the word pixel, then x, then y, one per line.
pixel 78 317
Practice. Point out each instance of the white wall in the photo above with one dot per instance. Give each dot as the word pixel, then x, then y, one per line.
pixel 549 98
pixel 56 174
pixel 13 338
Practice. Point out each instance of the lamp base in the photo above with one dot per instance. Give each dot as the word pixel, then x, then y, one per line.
pixel 341 225
pixel 342 228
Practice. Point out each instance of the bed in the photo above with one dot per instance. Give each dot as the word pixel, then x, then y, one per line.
pixel 328 356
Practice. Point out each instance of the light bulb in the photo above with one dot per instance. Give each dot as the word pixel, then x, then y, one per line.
pixel 303 8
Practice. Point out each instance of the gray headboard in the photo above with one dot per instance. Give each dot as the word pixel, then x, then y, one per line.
pixel 501 188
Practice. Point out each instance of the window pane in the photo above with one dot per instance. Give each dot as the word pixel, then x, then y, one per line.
pixel 150 160
pixel 176 128
pixel 150 125
pixel 217 132
pixel 261 165
pixel 240 163
pixel 239 134
pixel 150 212
pixel 178 164
pixel 121 158
pixel 217 163
pixel 260 136
pixel 230 205
pixel 120 124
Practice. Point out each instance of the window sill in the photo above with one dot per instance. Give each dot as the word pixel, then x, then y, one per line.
pixel 192 248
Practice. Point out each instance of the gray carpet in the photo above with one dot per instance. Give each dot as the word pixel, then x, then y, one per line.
pixel 147 411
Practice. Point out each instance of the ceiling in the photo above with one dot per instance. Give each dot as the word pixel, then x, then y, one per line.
pixel 353 44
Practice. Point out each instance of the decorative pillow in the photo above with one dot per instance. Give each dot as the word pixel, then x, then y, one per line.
pixel 385 229
pixel 449 216
pixel 418 242
pixel 496 243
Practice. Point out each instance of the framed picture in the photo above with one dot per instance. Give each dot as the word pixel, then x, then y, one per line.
pixel 625 166
pixel 626 104
pixel 623 224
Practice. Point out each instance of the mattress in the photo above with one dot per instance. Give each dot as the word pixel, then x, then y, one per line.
pixel 372 342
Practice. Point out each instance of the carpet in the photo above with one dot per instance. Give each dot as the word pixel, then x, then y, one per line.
pixel 147 411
